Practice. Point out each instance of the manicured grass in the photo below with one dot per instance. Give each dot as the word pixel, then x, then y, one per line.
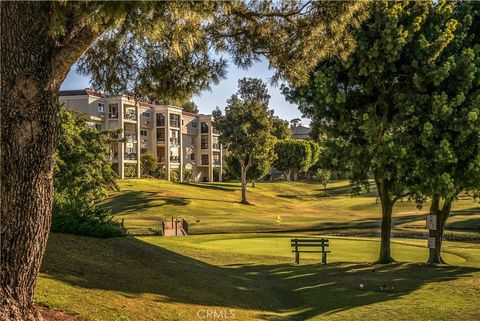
pixel 156 278
pixel 215 207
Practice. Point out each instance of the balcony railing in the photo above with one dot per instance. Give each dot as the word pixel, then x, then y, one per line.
pixel 161 159
pixel 130 116
pixel 130 137
pixel 174 142
pixel 215 146
pixel 131 156
pixel 174 159
pixel 216 162
pixel 113 115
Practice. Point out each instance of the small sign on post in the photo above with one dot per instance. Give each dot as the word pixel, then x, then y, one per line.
pixel 432 222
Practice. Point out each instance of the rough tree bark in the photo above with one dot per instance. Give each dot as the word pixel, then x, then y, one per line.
pixel 385 255
pixel 32 70
pixel 435 255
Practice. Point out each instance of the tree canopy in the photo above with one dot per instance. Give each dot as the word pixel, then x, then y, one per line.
pixel 159 49
pixel 368 105
pixel 246 128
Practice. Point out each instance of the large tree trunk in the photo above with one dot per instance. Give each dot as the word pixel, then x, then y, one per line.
pixel 244 184
pixel 435 254
pixel 287 175
pixel 30 79
pixel 385 255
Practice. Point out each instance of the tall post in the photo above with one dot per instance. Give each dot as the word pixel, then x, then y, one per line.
pixel 121 144
pixel 180 134
pixel 153 135
pixel 220 175
pixel 139 138
pixel 210 152
pixel 167 143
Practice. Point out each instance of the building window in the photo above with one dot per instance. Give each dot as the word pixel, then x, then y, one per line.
pixel 101 107
pixel 204 159
pixel 160 120
pixel 204 128
pixel 192 156
pixel 98 127
pixel 194 124
pixel 204 143
pixel 143 133
pixel 174 120
pixel 146 114
pixel 160 135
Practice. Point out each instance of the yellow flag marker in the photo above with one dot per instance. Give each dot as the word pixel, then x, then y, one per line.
pixel 278 219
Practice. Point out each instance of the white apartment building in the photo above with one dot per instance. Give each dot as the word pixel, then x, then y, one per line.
pixel 180 140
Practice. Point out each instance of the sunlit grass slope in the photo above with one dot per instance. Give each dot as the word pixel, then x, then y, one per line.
pixel 155 278
pixel 215 207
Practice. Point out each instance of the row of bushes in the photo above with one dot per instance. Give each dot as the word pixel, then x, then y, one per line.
pixel 85 220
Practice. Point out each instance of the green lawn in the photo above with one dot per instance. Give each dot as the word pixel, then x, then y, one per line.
pixel 215 208
pixel 156 278
pixel 251 276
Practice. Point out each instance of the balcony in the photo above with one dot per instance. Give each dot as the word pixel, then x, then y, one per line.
pixel 204 145
pixel 174 159
pixel 216 162
pixel 130 116
pixel 174 142
pixel 130 137
pixel 216 146
pixel 161 159
pixel 204 161
pixel 130 156
pixel 216 132
pixel 113 116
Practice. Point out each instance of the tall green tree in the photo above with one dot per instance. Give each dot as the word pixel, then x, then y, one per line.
pixel 190 107
pixel 292 157
pixel 444 119
pixel 280 128
pixel 246 128
pixel 359 103
pixel 256 172
pixel 40 41
pixel 83 168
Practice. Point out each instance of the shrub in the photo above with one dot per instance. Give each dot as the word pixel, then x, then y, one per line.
pixel 130 170
pixel 187 175
pixel 149 166
pixel 85 220
pixel 174 176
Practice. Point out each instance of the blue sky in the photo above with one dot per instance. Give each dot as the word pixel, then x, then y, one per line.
pixel 209 100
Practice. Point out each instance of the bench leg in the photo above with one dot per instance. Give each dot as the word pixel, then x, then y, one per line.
pixel 297 257
pixel 324 257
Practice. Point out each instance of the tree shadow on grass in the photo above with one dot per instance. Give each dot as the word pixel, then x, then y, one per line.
pixel 280 290
pixel 138 201
pixel 213 186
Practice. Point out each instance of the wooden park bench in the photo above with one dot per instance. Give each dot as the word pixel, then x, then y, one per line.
pixel 312 246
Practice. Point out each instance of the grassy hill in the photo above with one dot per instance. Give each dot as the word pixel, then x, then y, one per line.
pixel 215 208
pixel 252 276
